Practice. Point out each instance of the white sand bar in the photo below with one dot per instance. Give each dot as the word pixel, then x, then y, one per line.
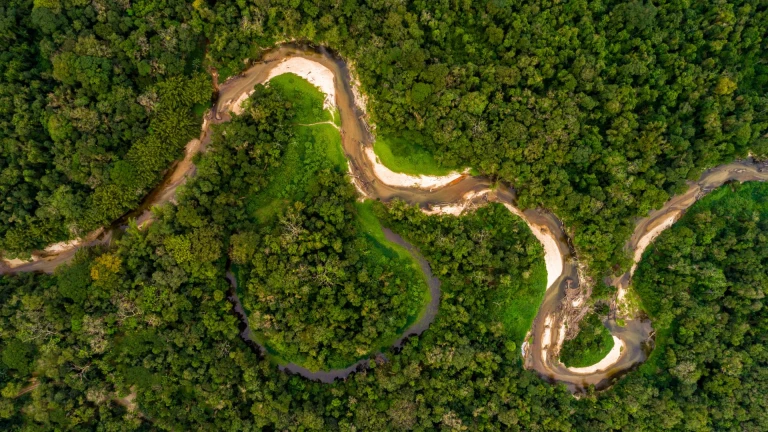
pixel 552 257
pixel 609 360
pixel 312 71
pixel 650 236
pixel 391 178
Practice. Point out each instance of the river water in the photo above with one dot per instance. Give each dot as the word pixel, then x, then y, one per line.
pixel 415 329
pixel 546 332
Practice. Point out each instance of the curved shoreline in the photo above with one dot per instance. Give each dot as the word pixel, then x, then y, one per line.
pixel 609 360
pixel 636 332
pixel 328 376
pixel 565 295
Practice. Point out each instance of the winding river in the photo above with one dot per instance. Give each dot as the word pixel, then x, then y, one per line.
pixel 566 297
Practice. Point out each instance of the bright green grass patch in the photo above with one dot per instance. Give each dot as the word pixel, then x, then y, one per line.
pixel 406 153
pixel 314 148
pixel 306 99
pixel 591 345
pixel 371 226
pixel 516 306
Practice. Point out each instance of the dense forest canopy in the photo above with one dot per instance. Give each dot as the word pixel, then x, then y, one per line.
pixel 588 108
pixel 704 282
pixel 598 111
pixel 95 105
pixel 321 286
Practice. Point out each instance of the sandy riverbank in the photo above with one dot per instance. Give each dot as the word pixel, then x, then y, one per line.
pixel 609 360
pixel 553 258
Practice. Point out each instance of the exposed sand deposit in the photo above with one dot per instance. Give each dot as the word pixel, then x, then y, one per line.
pixel 466 203
pixel 651 235
pixel 553 257
pixel 391 178
pixel 609 360
pixel 449 194
pixel 312 71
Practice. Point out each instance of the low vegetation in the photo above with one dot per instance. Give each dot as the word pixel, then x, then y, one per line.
pixel 321 284
pixel 405 153
pixel 591 344
pixel 597 111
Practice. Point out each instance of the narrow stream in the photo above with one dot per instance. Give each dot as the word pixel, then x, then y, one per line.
pixel 329 376
pixel 546 337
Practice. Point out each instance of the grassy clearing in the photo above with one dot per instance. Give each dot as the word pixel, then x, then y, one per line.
pixel 407 153
pixel 591 345
pixel 516 305
pixel 306 99
pixel 382 248
pixel 314 148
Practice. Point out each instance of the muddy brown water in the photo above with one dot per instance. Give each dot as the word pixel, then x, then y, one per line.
pixel 636 333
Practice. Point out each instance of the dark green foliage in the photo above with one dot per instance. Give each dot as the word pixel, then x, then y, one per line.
pixel 592 343
pixel 321 291
pixel 94 106
pixel 598 111
pixel 17 356
pixel 164 329
pixel 491 247
pixel 73 280
pixel 702 282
